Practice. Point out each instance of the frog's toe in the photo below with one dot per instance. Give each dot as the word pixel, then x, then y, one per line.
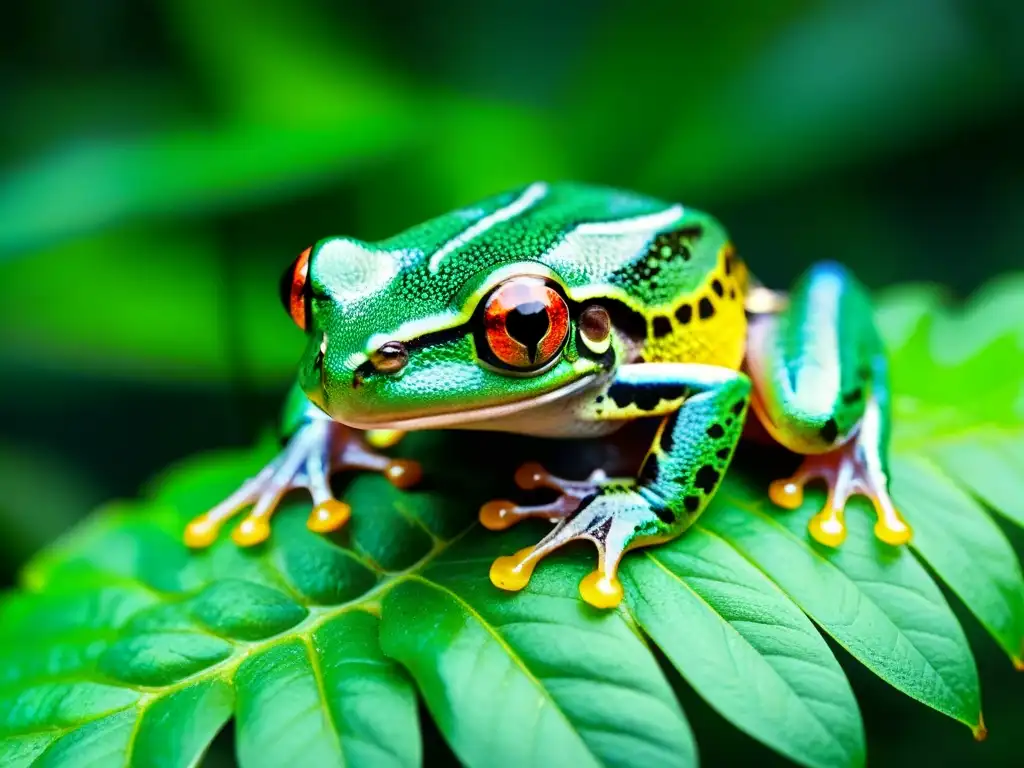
pixel 353 453
pixel 890 526
pixel 383 438
pixel 317 449
pixel 846 472
pixel 532 475
pixel 828 526
pixel 612 522
pixel 501 514
pixel 328 515
pixel 203 530
pixel 403 473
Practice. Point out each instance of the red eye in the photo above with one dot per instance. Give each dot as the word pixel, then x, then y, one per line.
pixel 525 322
pixel 295 289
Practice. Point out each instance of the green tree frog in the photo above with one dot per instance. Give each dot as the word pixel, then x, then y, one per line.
pixel 564 310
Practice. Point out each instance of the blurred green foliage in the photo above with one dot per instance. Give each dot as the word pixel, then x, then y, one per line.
pixel 160 163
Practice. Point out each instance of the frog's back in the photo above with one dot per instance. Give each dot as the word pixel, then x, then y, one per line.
pixel 671 267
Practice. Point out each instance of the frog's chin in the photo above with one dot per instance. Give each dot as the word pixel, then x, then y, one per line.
pixel 500 413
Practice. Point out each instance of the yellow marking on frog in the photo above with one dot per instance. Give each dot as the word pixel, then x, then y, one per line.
pixel 607 410
pixel 708 325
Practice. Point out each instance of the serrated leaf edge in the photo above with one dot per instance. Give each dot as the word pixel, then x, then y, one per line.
pixel 817 555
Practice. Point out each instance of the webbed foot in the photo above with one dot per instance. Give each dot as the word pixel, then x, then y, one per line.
pixel 317 449
pixel 500 514
pixel 846 471
pixel 612 515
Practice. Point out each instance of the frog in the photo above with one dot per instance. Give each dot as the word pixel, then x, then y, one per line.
pixel 565 310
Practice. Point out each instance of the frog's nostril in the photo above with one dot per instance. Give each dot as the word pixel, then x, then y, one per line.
pixel 389 358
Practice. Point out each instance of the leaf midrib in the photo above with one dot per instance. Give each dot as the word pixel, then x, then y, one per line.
pixel 512 654
pixel 321 689
pixel 225 669
pixel 775 673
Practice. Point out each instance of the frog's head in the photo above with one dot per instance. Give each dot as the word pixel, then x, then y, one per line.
pixel 395 340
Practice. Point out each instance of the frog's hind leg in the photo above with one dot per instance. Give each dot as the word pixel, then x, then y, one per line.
pixel 854 468
pixel 316 448
pixel 821 389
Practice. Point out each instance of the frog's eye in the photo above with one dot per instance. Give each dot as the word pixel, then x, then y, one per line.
pixel 525 322
pixel 295 289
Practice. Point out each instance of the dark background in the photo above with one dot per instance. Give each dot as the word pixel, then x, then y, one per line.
pixel 161 163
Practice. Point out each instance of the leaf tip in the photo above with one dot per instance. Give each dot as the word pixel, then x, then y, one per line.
pixel 980 731
pixel 1018 663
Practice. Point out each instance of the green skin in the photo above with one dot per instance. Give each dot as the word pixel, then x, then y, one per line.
pixel 813 362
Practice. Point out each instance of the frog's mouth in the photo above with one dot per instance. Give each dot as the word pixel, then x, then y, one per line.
pixel 483 414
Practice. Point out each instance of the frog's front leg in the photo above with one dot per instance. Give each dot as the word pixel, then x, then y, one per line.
pixel 703 409
pixel 821 389
pixel 316 448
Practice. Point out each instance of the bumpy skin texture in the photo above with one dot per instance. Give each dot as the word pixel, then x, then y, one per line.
pixel 564 310
pixel 646 257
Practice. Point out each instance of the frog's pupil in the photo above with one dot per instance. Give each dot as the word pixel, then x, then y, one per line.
pixel 528 323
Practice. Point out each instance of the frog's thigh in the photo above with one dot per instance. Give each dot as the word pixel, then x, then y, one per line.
pixel 820 377
pixel 811 363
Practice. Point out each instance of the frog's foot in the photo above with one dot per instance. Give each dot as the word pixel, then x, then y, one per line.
pixel 501 514
pixel 847 471
pixel 614 517
pixel 317 449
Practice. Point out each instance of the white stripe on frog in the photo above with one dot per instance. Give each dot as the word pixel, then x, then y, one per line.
pixel 531 195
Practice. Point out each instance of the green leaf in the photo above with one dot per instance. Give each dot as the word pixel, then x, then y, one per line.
pixel 284 644
pixel 104 742
pixel 176 729
pixel 331 698
pixel 125 647
pixel 747 649
pixel 878 603
pixel 958 442
pixel 990 466
pixel 965 547
pixel 21 751
pixel 577 686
